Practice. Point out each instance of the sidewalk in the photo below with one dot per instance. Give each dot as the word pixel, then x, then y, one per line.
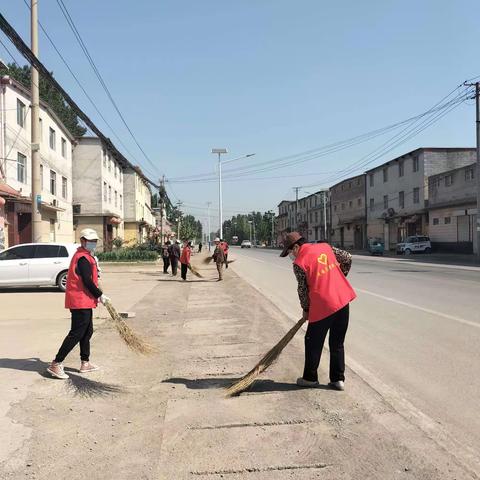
pixel 165 417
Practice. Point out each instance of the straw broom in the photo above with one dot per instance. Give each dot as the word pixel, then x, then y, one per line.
pixel 195 271
pixel 131 339
pixel 243 383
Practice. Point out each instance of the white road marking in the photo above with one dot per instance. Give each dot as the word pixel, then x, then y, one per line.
pixel 423 309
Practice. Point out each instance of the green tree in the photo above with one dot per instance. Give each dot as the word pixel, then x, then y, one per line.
pixel 50 96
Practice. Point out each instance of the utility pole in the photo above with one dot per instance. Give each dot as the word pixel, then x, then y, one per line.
pixel 325 214
pixel 162 204
pixel 273 226
pixel 296 207
pixel 179 219
pixel 477 123
pixel 35 137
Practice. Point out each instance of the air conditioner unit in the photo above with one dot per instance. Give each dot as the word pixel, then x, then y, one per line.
pixel 77 209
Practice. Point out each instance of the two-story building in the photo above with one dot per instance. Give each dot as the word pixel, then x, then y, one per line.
pixel 349 222
pixel 452 209
pixel 139 219
pixel 55 168
pixel 98 198
pixel 397 192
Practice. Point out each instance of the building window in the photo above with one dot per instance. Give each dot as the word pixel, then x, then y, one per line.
pixel 469 174
pixel 416 195
pixel 385 175
pixel 115 170
pixel 116 198
pixel 41 177
pixel 40 125
pixel 401 168
pixel 104 191
pixel 121 201
pixel 415 164
pixel 334 208
pixel 53 182
pixel 109 164
pixel 372 204
pixel 64 188
pixel 401 199
pixel 52 139
pixel 350 204
pixel 64 148
pixel 359 202
pixel 109 194
pixel 104 156
pixel 358 181
pixel 343 206
pixel 316 217
pixel 371 180
pixel 448 220
pixel 435 221
pixel 350 185
pixel 448 180
pixel 21 168
pixel 21 109
pixel 385 202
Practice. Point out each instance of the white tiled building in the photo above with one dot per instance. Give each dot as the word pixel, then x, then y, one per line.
pixel 56 167
pixel 98 198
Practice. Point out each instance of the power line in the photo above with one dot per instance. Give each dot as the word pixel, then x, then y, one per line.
pixel 77 35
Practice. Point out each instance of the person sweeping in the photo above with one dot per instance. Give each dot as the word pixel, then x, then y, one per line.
pixel 325 295
pixel 81 297
pixel 219 258
pixel 185 259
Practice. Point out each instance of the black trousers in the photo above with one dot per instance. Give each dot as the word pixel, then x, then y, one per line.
pixel 174 264
pixel 226 260
pixel 166 264
pixel 337 325
pixel 183 270
pixel 81 332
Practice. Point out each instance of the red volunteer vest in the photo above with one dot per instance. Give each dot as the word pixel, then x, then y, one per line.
pixel 76 295
pixel 224 246
pixel 328 289
pixel 185 256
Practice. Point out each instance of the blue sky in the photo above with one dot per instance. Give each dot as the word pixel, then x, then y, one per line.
pixel 274 77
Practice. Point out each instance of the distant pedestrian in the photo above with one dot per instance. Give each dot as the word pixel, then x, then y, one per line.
pixel 325 295
pixel 174 252
pixel 81 297
pixel 166 256
pixel 185 259
pixel 225 247
pixel 219 258
pixel 200 247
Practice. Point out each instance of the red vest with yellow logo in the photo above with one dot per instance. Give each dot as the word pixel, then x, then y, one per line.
pixel 328 289
pixel 77 295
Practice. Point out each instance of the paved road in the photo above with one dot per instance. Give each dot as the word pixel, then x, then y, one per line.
pixel 414 333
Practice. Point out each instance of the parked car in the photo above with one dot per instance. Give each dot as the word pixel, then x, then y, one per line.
pixel 414 244
pixel 246 244
pixel 376 246
pixel 36 265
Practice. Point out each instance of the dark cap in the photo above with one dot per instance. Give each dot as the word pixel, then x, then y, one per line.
pixel 290 240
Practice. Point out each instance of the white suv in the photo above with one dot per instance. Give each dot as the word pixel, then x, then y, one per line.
pixel 36 264
pixel 414 244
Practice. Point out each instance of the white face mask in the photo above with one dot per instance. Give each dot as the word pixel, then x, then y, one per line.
pixel 292 256
pixel 90 246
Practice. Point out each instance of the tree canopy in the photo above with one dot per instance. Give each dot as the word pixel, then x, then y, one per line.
pixel 259 231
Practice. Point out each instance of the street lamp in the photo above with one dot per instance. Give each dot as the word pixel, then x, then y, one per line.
pixel 220 152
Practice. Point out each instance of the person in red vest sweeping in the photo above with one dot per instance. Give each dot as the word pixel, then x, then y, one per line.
pixel 325 295
pixel 81 297
pixel 224 245
pixel 185 259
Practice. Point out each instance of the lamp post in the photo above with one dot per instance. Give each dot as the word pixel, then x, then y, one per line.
pixel 220 152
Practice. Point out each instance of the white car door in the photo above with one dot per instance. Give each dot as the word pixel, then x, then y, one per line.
pixel 46 264
pixel 14 266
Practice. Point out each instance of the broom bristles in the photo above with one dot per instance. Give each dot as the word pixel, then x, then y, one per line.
pixel 207 260
pixel 243 383
pixel 195 271
pixel 131 339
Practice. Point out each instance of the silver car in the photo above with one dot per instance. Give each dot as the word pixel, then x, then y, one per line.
pixel 414 244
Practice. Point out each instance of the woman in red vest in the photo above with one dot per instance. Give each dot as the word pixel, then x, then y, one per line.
pixel 81 297
pixel 325 295
pixel 185 259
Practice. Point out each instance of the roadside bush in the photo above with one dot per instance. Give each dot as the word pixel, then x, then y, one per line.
pixel 128 255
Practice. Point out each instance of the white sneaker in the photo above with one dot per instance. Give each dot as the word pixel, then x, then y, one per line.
pixel 56 370
pixel 301 382
pixel 340 385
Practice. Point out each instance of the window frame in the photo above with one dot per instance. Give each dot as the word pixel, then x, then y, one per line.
pixel 52 139
pixel 21 115
pixel 53 182
pixel 22 167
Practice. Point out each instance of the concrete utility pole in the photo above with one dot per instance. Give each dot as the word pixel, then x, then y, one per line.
pixel 209 226
pixel 477 124
pixel 162 204
pixel 296 207
pixel 273 227
pixel 325 215
pixel 35 138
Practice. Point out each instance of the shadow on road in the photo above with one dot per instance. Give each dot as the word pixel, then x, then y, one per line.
pixel 260 386
pixel 31 290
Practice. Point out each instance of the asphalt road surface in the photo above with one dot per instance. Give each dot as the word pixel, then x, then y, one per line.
pixel 414 335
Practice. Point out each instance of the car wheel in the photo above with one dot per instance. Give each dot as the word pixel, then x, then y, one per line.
pixel 62 281
pixel 428 250
pixel 407 251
